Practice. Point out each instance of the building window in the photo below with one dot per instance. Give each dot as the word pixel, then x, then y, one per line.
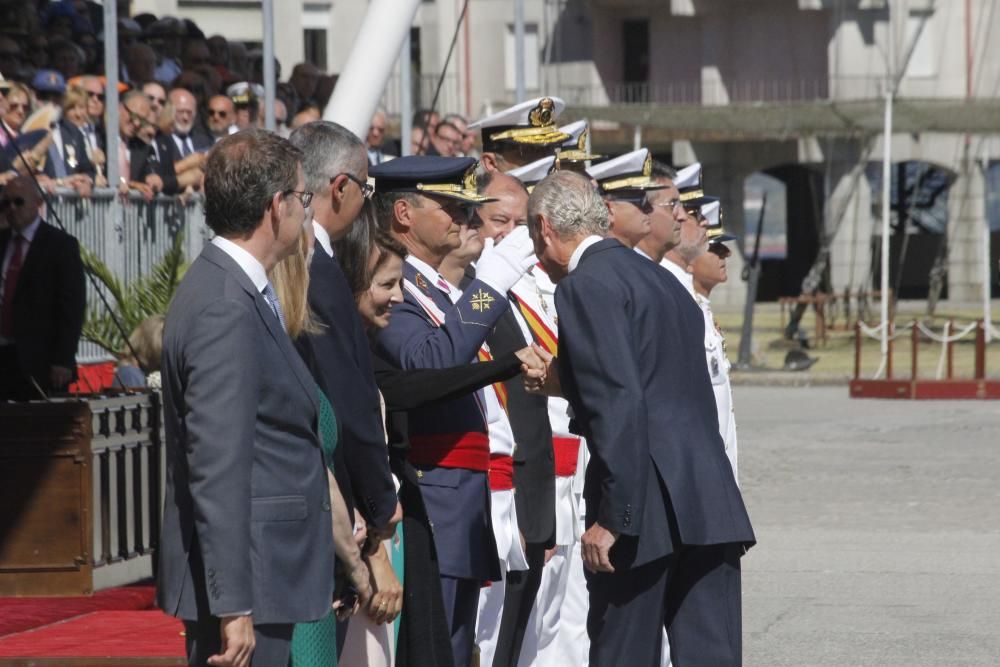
pixel 531 51
pixel 315 47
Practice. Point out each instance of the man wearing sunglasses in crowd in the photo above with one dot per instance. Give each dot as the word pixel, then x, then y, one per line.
pixel 625 183
pixel 136 169
pixel 42 298
pixel 221 117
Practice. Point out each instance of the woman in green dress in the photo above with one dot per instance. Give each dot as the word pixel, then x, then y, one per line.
pixel 315 644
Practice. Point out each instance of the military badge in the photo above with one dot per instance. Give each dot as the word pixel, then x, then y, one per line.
pixel 482 301
pixel 421 283
pixel 71 160
pixel 541 115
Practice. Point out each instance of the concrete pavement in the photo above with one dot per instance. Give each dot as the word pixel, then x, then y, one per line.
pixel 878 527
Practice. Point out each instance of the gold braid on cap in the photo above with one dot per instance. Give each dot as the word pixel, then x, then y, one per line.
pixel 541 130
pixel 692 194
pixel 633 182
pixel 466 191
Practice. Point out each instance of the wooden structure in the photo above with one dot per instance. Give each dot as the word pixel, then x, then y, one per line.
pixel 914 387
pixel 80 486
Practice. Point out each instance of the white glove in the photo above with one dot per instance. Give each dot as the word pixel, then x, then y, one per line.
pixel 501 266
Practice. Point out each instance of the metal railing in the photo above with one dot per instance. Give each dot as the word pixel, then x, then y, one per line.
pixel 130 236
pixel 699 92
pixel 128 469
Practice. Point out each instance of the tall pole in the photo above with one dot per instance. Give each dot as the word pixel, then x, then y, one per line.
pixel 405 96
pixel 890 93
pixel 269 122
pixel 360 86
pixel 519 50
pixel 111 99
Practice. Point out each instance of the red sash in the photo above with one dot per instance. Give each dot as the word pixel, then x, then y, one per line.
pixel 566 450
pixel 470 451
pixel 501 472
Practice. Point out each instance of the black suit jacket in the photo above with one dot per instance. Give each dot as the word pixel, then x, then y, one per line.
pixel 143 161
pixel 49 302
pixel 200 142
pixel 631 363
pixel 344 371
pixel 74 152
pixel 534 461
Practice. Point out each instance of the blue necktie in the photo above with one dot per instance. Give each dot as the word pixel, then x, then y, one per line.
pixel 58 165
pixel 272 300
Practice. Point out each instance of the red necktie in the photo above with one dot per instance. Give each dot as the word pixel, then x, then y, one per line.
pixel 10 287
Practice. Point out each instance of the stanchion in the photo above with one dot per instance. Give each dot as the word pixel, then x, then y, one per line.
pixel 889 346
pixel 950 347
pixel 857 350
pixel 914 347
pixel 980 351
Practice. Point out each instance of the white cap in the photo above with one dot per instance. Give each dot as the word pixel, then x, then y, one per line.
pixel 574 149
pixel 532 122
pixel 533 172
pixel 688 182
pixel 712 211
pixel 630 171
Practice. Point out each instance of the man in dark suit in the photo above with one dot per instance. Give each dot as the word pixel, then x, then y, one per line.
pixel 188 142
pixel 42 298
pixel 246 544
pixel 336 170
pixel 666 522
pixel 71 149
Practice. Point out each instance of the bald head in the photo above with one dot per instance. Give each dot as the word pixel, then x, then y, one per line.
pixel 20 202
pixel 510 209
pixel 185 110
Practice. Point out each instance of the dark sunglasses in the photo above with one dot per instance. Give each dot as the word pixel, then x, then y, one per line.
pixel 14 106
pixel 160 100
pixel 366 190
pixel 96 96
pixel 16 202
pixel 221 113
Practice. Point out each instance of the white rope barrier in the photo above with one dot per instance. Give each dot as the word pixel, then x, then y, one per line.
pixel 945 337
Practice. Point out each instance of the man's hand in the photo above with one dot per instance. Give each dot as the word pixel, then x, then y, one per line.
pixel 59 376
pixel 237 642
pixel 532 369
pixel 387 600
pixel 595 547
pixel 550 381
pixel 155 182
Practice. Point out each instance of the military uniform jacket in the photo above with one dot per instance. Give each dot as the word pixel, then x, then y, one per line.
pixel 718 372
pixel 632 367
pixel 457 499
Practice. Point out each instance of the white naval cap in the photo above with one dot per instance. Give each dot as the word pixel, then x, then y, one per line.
pixel 533 172
pixel 574 149
pixel 532 123
pixel 688 183
pixel 630 171
pixel 712 212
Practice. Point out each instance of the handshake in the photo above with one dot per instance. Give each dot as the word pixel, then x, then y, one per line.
pixel 539 371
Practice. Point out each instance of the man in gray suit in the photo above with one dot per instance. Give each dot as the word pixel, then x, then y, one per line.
pixel 247 547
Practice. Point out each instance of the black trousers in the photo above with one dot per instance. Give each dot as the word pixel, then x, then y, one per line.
pixel 694 593
pixel 272 643
pixel 519 597
pixel 461 604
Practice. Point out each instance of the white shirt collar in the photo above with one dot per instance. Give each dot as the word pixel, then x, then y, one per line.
pixel 323 237
pixel 683 276
pixel 574 259
pixel 640 251
pixel 253 268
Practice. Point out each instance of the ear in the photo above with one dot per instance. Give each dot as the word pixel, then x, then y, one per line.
pixel 277 212
pixel 546 232
pixel 489 161
pixel 402 211
pixel 337 186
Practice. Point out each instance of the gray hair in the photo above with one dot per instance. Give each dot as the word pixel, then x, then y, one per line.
pixel 329 149
pixel 571 203
pixel 662 170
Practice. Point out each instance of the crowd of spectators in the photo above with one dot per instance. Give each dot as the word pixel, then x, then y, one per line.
pixel 179 92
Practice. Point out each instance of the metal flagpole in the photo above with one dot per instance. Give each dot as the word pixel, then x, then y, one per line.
pixel 405 96
pixel 268 31
pixel 519 49
pixel 890 93
pixel 111 100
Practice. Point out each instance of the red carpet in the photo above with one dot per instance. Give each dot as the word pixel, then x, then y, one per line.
pixel 102 634
pixel 20 614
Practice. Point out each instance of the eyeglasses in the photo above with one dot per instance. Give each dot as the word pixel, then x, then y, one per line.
pixel 221 113
pixel 134 117
pixel 16 202
pixel 96 96
pixel 15 106
pixel 671 204
pixel 304 197
pixel 159 100
pixel 367 190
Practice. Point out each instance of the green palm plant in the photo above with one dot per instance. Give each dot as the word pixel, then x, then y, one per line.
pixel 134 302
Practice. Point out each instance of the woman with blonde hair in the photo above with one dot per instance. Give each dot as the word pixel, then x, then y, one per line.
pixel 316 643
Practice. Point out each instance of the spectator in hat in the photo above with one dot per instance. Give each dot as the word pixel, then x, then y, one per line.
pixel 245 97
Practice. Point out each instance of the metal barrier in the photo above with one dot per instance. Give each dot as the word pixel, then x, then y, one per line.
pixel 129 234
pixel 128 469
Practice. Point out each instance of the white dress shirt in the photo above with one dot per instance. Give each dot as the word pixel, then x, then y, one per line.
pixel 250 265
pixel 683 276
pixel 323 237
pixel 574 259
